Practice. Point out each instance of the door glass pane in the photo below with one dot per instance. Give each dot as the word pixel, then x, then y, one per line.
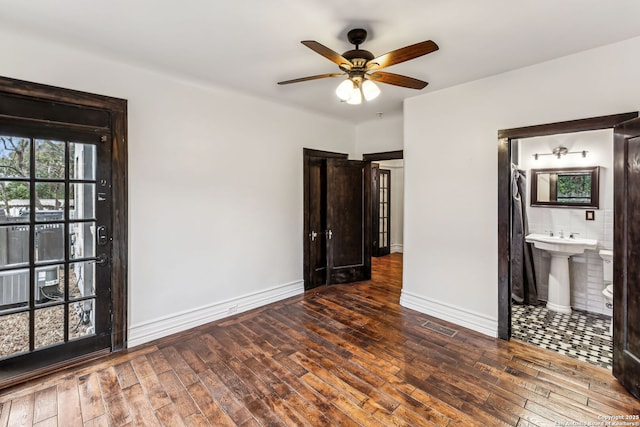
pixel 49 242
pixel 82 238
pixel 49 201
pixel 15 157
pixel 14 289
pixel 49 284
pixel 82 161
pixel 82 201
pixel 15 334
pixel 14 245
pixel 17 198
pixel 49 325
pixel 82 279
pixel 81 318
pixel 50 159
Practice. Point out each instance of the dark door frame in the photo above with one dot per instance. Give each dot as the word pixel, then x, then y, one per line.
pixel 505 201
pixel 385 155
pixel 117 111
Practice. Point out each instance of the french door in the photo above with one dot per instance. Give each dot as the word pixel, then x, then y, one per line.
pixel 57 230
pixel 381 213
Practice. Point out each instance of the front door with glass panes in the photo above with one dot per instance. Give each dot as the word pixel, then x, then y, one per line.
pixel 54 246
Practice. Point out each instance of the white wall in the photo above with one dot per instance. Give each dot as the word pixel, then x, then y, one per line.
pixel 451 249
pixel 586 269
pixel 215 185
pixel 380 135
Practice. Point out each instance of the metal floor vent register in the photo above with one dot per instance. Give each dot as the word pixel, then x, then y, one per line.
pixel 440 329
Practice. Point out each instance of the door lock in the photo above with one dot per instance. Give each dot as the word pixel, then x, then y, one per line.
pixel 103 239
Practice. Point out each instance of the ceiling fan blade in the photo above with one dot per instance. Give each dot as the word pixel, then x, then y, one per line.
pixel 304 79
pixel 397 80
pixel 332 56
pixel 403 54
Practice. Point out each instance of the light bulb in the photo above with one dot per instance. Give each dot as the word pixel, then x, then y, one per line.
pixel 356 96
pixel 344 90
pixel 370 90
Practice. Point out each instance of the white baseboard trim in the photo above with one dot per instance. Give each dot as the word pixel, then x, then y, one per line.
pixel 161 327
pixel 397 247
pixel 466 318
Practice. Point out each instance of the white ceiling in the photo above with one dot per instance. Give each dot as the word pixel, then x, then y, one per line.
pixel 249 45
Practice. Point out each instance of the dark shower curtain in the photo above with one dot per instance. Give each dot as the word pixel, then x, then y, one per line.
pixel 523 277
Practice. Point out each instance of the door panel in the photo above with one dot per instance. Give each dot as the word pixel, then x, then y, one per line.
pixel 626 295
pixel 317 222
pixel 348 221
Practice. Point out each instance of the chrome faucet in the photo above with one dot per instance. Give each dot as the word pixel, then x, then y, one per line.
pixel 561 235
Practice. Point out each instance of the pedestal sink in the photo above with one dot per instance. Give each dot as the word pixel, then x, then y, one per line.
pixel 560 249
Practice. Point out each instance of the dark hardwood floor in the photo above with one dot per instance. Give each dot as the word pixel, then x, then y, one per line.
pixel 345 355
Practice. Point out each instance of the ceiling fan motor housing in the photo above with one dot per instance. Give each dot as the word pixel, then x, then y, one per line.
pixel 358 57
pixel 357 36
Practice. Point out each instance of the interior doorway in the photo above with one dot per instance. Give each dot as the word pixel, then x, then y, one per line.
pixel 337 219
pixel 624 367
pixel 341 199
pixel 388 203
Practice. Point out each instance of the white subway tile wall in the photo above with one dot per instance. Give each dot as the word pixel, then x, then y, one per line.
pixel 587 281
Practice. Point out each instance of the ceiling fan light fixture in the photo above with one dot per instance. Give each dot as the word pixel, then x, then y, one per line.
pixel 356 95
pixel 345 89
pixel 370 90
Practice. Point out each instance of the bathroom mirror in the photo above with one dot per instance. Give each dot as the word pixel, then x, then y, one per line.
pixel 565 187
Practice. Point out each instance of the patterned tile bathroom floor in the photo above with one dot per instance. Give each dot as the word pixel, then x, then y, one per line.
pixel 583 336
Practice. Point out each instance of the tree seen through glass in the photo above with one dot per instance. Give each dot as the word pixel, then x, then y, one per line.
pixel 574 187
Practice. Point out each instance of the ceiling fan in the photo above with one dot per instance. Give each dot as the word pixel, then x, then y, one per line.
pixel 362 68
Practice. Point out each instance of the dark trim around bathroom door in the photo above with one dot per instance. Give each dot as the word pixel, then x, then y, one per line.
pixel 505 137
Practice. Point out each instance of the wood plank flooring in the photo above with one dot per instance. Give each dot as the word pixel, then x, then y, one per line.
pixel 345 355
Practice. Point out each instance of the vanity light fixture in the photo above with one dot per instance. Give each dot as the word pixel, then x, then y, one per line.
pixel 560 151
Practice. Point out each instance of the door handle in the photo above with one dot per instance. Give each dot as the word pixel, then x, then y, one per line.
pixel 103 239
pixel 313 235
pixel 102 259
pixel 329 234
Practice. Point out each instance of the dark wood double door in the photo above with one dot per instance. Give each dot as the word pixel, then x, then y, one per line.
pixel 337 219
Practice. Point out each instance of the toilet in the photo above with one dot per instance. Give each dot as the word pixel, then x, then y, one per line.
pixel 607 274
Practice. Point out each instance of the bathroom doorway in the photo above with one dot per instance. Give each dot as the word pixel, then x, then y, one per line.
pixel 508 149
pixel 568 195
